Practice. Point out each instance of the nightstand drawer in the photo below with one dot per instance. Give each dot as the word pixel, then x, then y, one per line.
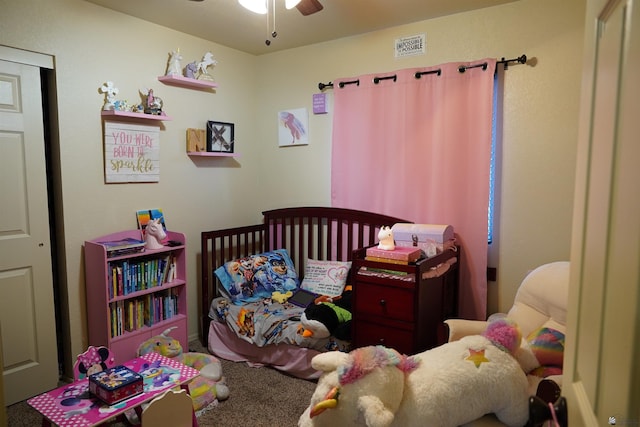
pixel 384 301
pixel 368 333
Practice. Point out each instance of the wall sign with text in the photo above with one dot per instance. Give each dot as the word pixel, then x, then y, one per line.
pixel 131 152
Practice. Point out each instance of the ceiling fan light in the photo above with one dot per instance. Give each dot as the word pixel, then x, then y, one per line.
pixel 256 6
pixel 290 4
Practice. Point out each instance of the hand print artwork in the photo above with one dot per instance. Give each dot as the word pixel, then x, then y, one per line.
pixel 293 127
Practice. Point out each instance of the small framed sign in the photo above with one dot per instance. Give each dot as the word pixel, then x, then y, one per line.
pixel 220 137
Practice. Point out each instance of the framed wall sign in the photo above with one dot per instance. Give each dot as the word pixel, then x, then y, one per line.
pixel 131 152
pixel 220 137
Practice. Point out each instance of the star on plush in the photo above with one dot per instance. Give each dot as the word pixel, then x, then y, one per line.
pixel 477 357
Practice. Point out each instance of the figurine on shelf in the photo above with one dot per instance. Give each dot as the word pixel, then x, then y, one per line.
pixel 173 67
pixel 203 73
pixel 121 105
pixel 190 70
pixel 152 103
pixel 110 92
pixel 154 234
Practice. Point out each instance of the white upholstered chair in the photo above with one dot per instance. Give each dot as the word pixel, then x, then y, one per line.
pixel 541 301
pixel 170 409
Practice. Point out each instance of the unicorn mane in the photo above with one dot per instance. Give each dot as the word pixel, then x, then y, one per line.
pixel 364 360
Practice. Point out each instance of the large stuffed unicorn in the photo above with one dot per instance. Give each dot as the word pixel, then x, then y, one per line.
pixel 447 386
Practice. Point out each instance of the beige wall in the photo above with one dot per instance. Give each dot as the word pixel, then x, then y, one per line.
pixel 92 45
pixel 539 125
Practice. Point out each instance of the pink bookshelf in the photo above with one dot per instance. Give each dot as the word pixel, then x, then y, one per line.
pixel 132 297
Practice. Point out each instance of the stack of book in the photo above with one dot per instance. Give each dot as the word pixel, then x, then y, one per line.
pixel 124 246
pixel 401 255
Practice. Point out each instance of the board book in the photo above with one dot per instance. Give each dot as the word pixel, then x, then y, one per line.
pixel 401 253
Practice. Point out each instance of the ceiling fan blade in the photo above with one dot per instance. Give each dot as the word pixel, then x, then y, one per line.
pixel 307 7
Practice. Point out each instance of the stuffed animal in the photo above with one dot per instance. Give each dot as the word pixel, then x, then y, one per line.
pixel 385 237
pixel 446 386
pixel 280 297
pixel 328 317
pixel 204 389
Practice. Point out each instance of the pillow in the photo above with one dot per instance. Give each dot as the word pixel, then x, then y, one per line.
pixel 325 277
pixel 255 277
pixel 547 345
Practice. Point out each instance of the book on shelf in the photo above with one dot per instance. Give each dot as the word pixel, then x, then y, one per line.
pixel 123 246
pixel 128 277
pixel 401 253
pixel 146 310
pixel 387 260
pixel 386 271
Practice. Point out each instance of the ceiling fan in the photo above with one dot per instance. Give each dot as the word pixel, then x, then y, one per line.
pixel 308 7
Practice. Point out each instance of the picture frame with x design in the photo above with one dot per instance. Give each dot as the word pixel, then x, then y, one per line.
pixel 220 137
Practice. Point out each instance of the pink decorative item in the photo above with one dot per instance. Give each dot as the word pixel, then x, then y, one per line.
pixel 154 235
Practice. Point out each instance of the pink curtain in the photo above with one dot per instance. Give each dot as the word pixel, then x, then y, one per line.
pixel 420 149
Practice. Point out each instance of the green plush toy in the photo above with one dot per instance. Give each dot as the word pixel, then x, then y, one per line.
pixel 204 389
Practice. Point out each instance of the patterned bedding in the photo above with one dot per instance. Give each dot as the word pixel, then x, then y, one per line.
pixel 266 322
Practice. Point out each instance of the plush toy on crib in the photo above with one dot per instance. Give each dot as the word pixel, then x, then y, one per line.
pixel 204 389
pixel 385 235
pixel 327 318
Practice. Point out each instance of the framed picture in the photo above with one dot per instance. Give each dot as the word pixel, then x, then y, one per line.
pixel 293 127
pixel 220 137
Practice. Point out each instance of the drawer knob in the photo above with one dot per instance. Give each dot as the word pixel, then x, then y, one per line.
pixel 381 341
pixel 383 302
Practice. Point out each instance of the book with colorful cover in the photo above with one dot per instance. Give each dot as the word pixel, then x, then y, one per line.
pixel 386 271
pixel 387 260
pixel 144 216
pixel 402 253
pixel 123 246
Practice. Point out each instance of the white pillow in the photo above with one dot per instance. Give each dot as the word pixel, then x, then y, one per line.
pixel 325 277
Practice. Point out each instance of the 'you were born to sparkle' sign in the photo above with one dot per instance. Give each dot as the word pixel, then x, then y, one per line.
pixel 131 153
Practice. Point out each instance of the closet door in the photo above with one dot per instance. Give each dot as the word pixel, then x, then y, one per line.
pixel 602 358
pixel 27 312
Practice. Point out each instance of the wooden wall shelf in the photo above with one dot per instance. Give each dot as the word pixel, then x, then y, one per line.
pixel 211 154
pixel 129 114
pixel 187 82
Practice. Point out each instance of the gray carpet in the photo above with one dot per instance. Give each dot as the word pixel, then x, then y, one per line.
pixel 257 397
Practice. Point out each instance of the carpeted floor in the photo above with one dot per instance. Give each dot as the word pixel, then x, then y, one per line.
pixel 257 397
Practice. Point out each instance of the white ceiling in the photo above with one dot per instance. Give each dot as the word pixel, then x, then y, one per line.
pixel 227 23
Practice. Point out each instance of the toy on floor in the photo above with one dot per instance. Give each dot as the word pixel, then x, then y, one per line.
pixel 449 385
pixel 204 389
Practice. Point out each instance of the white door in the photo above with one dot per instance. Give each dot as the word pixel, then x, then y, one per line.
pixel 27 313
pixel 602 359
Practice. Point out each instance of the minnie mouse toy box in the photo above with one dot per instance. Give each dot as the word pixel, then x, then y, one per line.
pixel 115 384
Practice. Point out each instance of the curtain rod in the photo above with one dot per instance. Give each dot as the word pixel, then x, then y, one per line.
pixel 520 60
